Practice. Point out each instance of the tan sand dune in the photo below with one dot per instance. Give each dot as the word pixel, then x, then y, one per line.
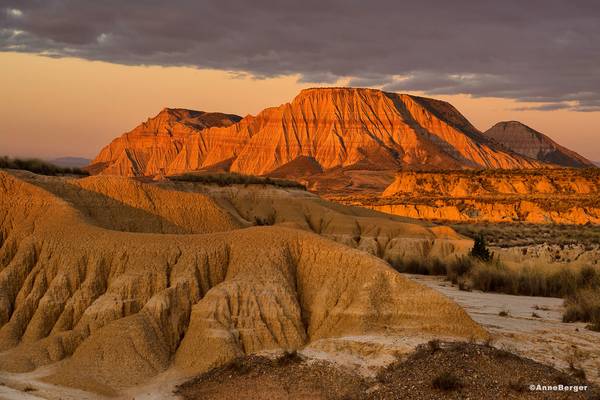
pixel 120 307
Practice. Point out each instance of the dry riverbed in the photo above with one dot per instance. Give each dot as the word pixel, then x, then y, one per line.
pixel 529 326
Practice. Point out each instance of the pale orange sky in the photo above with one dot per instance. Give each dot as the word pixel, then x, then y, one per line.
pixel 69 107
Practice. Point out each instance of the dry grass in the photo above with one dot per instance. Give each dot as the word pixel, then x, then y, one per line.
pixel 230 178
pixel 39 167
pixel 524 234
pixel 584 305
pixel 579 286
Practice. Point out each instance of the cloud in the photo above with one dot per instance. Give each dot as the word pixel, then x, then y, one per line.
pixel 543 51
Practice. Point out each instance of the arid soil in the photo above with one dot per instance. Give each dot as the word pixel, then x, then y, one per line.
pixel 532 326
pixel 433 371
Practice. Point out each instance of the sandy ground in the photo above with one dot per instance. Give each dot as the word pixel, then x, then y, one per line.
pixel 28 386
pixel 544 338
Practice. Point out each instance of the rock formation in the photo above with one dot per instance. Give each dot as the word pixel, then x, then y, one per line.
pixel 530 143
pixel 320 130
pixel 122 280
pixel 148 149
pixel 559 195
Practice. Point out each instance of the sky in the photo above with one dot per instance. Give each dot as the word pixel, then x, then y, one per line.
pixel 75 74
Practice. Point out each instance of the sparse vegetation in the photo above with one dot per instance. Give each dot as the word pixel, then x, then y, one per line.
pixel 267 220
pixel 584 305
pixel 230 178
pixel 446 381
pixel 39 167
pixel 434 345
pixel 507 234
pixel 579 286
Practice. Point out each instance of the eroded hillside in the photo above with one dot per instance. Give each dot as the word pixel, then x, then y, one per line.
pixel 196 285
pixel 569 196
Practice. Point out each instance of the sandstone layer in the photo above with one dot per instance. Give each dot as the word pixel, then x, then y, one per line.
pixel 533 144
pixel 119 302
pixel 321 130
pixel 566 196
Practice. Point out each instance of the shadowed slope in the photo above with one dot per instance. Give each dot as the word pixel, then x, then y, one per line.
pixel 530 143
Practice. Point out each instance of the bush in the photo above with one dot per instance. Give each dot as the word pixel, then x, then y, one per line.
pixel 446 381
pixel 480 249
pixel 230 178
pixel 39 167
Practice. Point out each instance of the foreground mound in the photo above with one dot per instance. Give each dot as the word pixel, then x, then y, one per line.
pixel 121 307
pixel 435 371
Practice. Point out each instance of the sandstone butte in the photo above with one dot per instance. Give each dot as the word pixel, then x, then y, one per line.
pixel 109 281
pixel 530 143
pixel 321 129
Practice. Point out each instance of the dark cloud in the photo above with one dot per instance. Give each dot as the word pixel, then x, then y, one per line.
pixel 545 51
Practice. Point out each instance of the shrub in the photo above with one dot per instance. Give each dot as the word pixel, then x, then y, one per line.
pixel 480 249
pixel 446 381
pixel 230 178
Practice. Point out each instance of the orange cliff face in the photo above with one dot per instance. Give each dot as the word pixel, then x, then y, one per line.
pixel 557 195
pixel 152 146
pixel 331 127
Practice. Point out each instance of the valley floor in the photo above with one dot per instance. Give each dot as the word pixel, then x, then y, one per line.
pixel 533 326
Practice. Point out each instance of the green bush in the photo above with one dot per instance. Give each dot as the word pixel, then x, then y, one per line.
pixel 480 249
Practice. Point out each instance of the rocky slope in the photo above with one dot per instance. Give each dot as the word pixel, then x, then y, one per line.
pixel 321 130
pixel 530 143
pixel 148 149
pixel 570 196
pixel 120 302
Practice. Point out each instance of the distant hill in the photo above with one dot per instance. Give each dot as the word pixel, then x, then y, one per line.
pixel 533 144
pixel 151 147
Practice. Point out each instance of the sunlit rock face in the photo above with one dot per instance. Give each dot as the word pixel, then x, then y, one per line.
pixel 328 127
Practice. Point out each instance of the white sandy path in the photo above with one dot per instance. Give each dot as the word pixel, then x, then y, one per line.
pixel 545 339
